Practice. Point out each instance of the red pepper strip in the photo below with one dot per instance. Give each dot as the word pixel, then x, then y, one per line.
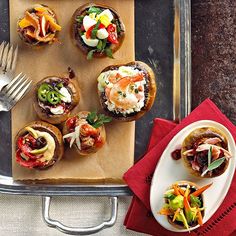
pixel 24 147
pixel 29 164
pixel 112 37
pixel 199 217
pixel 176 190
pixel 88 130
pixel 70 123
pixel 200 190
pixel 186 204
pixel 89 31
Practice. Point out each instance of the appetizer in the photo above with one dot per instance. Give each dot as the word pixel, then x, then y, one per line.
pixel 39 145
pixel 184 206
pixel 55 97
pixel 86 132
pixel 97 30
pixel 128 91
pixel 39 26
pixel 205 152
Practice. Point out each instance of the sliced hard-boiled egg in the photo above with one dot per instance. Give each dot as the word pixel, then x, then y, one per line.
pixel 102 34
pixel 88 22
pixel 90 42
pixel 105 17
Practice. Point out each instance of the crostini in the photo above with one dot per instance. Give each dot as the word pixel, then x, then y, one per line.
pixel 205 152
pixel 97 30
pixel 38 26
pixel 86 132
pixel 184 205
pixel 126 92
pixel 55 97
pixel 39 145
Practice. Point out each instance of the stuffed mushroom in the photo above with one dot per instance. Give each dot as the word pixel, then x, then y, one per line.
pixel 205 152
pixel 55 97
pixel 39 145
pixel 38 26
pixel 128 91
pixel 97 30
pixel 184 205
pixel 86 132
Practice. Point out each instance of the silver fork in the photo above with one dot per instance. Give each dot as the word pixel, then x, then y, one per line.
pixel 14 92
pixel 8 57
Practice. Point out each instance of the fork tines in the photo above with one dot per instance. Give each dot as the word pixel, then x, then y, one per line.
pixel 8 56
pixel 17 88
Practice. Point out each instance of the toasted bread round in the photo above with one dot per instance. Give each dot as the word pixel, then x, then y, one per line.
pixel 77 40
pixel 149 91
pixel 54 132
pixel 92 149
pixel 44 114
pixel 190 142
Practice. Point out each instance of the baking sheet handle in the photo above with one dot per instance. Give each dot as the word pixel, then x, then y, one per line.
pixel 46 201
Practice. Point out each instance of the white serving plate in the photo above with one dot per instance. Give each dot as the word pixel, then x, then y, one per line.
pixel 169 171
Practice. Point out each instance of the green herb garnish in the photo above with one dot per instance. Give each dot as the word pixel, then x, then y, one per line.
pixel 119 92
pixel 79 19
pixel 90 54
pixel 109 53
pixel 136 90
pixel 169 196
pixel 97 120
pixel 94 10
pixel 195 201
pixel 95 30
pixel 215 164
pixel 99 46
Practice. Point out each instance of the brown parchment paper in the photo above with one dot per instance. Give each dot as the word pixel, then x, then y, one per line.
pixel 110 163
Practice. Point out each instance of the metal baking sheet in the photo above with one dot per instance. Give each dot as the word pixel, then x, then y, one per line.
pixel 162 39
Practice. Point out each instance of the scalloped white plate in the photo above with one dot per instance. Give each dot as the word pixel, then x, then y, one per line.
pixel 169 171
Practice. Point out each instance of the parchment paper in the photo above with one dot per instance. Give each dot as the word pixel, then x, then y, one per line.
pixel 109 164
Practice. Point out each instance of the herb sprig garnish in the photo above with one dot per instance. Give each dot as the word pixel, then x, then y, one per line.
pixel 97 120
pixel 212 165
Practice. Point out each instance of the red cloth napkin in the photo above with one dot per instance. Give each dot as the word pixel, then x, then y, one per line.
pixel 138 177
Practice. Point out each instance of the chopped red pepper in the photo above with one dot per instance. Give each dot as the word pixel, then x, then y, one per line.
pixel 71 123
pixel 29 164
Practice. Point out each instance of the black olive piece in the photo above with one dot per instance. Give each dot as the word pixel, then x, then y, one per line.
pixel 41 142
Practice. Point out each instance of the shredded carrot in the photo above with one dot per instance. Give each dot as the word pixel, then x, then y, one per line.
pixel 165 211
pixel 181 191
pixel 176 190
pixel 186 204
pixel 199 217
pixel 176 213
pixel 200 190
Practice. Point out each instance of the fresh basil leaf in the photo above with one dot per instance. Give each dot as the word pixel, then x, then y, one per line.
pixel 92 116
pixel 104 43
pixel 109 53
pixel 79 19
pixel 195 201
pixel 99 46
pixel 90 54
pixel 95 30
pixel 209 155
pixel 94 10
